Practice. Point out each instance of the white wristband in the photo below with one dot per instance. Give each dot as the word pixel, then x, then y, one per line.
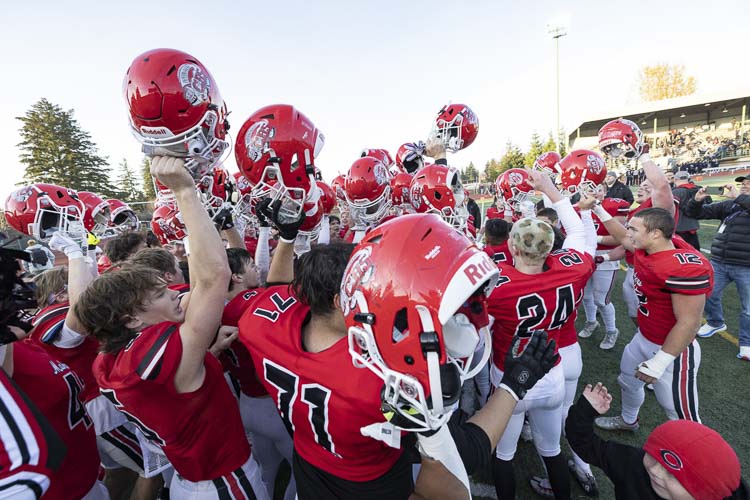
pixel 601 213
pixel 656 366
pixel 605 257
pixel 599 239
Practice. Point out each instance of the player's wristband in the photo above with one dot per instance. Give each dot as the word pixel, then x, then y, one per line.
pixel 599 239
pixel 605 257
pixel 601 213
pixel 509 391
pixel 656 366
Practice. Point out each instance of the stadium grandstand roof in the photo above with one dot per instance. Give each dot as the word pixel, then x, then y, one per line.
pixel 660 116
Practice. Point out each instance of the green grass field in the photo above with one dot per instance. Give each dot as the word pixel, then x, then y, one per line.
pixel 724 405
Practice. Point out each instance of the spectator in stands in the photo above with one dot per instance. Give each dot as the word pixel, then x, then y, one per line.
pixel 42 258
pixel 616 189
pixel 684 190
pixel 730 256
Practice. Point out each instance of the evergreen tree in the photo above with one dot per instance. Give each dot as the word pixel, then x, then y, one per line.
pixel 55 149
pixel 148 181
pixel 491 170
pixel 471 174
pixel 128 183
pixel 513 157
pixel 535 149
pixel 550 144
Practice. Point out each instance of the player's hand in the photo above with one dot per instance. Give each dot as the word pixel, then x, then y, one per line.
pixel 223 219
pixel 540 181
pixel 224 338
pixel 598 397
pixel 435 148
pixel 262 219
pixel 172 173
pixel 525 368
pixel 587 201
pixel 644 149
pixel 645 378
pixel 701 195
pixel 287 230
pixel 65 244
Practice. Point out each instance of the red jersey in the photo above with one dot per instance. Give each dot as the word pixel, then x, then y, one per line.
pixel 103 264
pixel 55 389
pixel 494 213
pixel 323 399
pixel 139 380
pixel 525 302
pixel 614 207
pixel 657 276
pixel 499 253
pixel 30 456
pixel 80 358
pixel 236 359
pixel 649 204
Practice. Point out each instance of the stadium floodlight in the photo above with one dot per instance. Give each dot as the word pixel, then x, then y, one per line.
pixel 557 29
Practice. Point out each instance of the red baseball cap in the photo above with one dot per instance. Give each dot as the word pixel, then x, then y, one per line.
pixel 697 456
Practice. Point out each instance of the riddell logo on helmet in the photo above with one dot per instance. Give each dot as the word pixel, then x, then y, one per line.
pixel 156 132
pixel 479 271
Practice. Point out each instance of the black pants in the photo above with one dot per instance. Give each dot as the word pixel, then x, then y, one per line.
pixel 691 238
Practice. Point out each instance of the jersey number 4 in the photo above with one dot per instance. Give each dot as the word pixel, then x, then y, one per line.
pixel 315 396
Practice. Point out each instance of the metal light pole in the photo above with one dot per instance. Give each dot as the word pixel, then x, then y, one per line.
pixel 557 30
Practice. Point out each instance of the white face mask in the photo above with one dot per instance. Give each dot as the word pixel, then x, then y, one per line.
pixel 461 336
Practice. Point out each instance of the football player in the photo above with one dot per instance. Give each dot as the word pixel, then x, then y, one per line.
pixel 540 289
pixel 671 281
pixel 152 349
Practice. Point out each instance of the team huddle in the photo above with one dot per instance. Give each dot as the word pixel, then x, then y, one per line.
pixel 335 326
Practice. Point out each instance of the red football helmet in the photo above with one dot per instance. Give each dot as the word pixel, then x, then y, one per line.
pixel 438 189
pixel 280 143
pixel 313 217
pixel 410 156
pixel 548 163
pixel 167 224
pixel 39 210
pixel 582 171
pixel 456 126
pixel 400 186
pixel 122 217
pixel 621 138
pixel 175 108
pixel 327 198
pixel 96 215
pixel 214 189
pixel 418 330
pixel 367 188
pixel 513 187
pixel 381 154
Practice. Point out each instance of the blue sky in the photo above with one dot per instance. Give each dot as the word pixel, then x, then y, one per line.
pixel 369 74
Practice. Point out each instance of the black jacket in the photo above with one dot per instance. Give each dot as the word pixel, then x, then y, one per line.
pixel 620 190
pixel 731 244
pixel 684 193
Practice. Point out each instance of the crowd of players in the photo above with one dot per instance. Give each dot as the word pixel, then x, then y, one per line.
pixel 345 351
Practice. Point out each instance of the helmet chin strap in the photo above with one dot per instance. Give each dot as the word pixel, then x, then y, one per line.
pixel 431 348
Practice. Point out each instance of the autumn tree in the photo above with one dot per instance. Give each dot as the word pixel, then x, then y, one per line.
pixel 56 150
pixel 664 81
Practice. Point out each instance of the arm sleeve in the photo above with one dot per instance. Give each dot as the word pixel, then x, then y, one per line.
pixel 324 237
pixel 698 210
pixel 262 253
pixel 575 234
pixel 588 226
pixel 472 443
pixel 579 430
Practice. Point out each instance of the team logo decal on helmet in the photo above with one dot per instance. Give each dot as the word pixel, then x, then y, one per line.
pixel 257 138
pixel 515 178
pixel 381 173
pixel 360 271
pixel 23 194
pixel 595 164
pixel 195 84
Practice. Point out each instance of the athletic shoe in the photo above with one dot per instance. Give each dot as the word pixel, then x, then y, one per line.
pixel 588 329
pixel 744 353
pixel 708 331
pixel 541 487
pixel 610 338
pixel 526 434
pixel 615 424
pixel 585 479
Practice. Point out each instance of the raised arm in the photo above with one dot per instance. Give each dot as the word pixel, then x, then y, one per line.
pixel 661 192
pixel 209 273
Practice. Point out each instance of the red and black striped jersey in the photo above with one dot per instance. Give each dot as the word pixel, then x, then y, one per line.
pixel 200 432
pixel 236 360
pixel 657 276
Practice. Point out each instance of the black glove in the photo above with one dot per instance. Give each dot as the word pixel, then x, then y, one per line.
pixel 262 219
pixel 223 219
pixel 287 230
pixel 524 369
